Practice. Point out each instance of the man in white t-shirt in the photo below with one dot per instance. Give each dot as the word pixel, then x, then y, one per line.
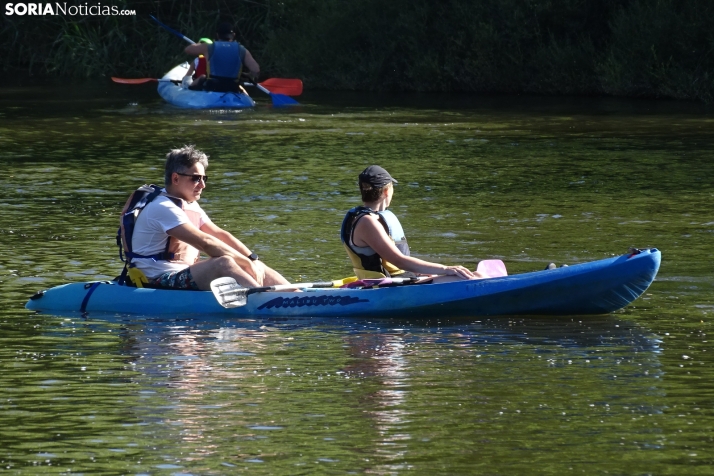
pixel 175 223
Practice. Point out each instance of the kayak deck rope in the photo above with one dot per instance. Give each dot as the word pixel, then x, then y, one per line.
pixel 91 287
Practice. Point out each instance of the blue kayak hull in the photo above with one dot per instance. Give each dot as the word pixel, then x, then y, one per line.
pixel 185 98
pixel 597 287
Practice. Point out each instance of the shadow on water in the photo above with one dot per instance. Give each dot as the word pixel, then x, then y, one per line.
pixel 566 332
pixel 43 98
pixel 49 97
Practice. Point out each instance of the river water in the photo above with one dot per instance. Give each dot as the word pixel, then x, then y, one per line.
pixel 526 180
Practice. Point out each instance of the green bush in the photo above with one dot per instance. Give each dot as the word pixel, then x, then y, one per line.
pixel 660 49
pixel 651 48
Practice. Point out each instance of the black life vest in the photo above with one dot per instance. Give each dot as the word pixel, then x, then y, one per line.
pixel 137 201
pixel 366 261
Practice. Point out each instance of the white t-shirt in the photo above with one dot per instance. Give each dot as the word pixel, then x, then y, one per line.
pixel 150 235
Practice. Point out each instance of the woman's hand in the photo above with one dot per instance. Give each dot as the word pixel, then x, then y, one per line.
pixel 460 271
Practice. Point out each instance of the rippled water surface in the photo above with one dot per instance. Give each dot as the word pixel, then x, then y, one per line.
pixel 526 180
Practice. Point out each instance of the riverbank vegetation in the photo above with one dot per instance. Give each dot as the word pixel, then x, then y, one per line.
pixel 637 48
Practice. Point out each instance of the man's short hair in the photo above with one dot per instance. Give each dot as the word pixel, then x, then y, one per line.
pixel 180 160
pixel 225 31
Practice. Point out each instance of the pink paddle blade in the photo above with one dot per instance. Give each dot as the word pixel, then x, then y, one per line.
pixel 493 268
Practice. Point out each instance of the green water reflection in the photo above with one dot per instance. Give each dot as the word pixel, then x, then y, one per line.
pixel 526 180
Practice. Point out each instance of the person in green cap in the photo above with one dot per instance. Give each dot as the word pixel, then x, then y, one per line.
pixel 196 74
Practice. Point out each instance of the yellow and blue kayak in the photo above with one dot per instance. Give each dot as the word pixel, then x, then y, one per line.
pixel 596 287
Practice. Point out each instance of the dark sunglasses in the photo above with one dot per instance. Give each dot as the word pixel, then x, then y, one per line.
pixel 195 178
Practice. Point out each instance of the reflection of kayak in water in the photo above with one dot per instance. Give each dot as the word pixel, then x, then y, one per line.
pixel 177 95
pixel 596 287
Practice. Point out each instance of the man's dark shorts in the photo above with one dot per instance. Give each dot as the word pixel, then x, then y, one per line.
pixel 175 280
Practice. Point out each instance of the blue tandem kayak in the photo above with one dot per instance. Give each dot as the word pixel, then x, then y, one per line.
pixel 175 94
pixel 596 287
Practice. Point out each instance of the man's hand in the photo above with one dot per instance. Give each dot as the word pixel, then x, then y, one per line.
pixel 257 270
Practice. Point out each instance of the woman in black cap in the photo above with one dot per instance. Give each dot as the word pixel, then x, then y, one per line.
pixel 375 241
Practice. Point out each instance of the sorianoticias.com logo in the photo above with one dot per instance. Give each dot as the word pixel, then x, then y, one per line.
pixel 57 8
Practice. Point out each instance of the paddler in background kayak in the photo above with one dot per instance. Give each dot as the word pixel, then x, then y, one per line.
pixel 375 241
pixel 196 74
pixel 173 222
pixel 225 60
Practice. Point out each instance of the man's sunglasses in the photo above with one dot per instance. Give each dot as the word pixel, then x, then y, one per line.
pixel 195 178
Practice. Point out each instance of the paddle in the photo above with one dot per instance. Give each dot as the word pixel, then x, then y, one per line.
pixel 289 87
pixel 490 268
pixel 172 31
pixel 143 80
pixel 278 99
pixel 230 294
pixel 376 282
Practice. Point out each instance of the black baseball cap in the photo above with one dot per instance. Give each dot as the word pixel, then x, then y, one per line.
pixel 225 30
pixel 376 176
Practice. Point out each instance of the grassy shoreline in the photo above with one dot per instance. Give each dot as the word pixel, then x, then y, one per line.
pixel 632 48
